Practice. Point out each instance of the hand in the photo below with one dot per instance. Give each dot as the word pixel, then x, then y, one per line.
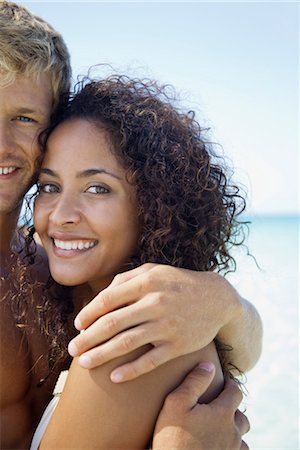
pixel 178 311
pixel 187 425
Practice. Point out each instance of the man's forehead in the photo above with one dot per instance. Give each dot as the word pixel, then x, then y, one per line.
pixel 27 94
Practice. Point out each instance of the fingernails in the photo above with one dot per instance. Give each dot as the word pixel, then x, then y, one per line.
pixel 77 324
pixel 207 366
pixel 116 376
pixel 85 361
pixel 72 349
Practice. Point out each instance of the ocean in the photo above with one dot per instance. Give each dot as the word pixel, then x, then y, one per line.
pixel 272 401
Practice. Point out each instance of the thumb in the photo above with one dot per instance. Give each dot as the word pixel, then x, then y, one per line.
pixel 195 384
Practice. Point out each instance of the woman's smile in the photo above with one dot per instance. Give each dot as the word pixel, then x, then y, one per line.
pixel 72 247
pixel 85 213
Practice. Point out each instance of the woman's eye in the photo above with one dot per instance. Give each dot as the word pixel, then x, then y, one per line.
pixel 98 190
pixel 48 188
pixel 24 119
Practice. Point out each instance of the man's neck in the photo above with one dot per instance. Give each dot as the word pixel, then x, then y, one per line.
pixel 8 228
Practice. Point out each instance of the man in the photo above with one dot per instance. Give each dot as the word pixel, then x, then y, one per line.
pixel 34 79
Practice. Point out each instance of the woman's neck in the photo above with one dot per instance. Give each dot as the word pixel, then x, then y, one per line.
pixel 84 293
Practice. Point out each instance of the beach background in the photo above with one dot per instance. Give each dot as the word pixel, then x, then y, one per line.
pixel 237 65
pixel 273 385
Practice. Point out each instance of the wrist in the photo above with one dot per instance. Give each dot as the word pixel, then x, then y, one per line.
pixel 234 305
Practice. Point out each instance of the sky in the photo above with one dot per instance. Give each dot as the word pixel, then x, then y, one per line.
pixel 235 63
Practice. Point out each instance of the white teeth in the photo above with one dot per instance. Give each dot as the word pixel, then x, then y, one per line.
pixel 6 170
pixel 73 245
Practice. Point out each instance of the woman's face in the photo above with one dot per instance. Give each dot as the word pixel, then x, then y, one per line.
pixel 85 213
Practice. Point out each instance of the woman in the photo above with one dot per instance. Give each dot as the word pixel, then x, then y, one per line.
pixel 126 179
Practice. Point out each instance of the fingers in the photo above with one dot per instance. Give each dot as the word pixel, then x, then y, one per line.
pixel 192 387
pixel 107 300
pixel 230 397
pixel 144 364
pixel 126 276
pixel 151 319
pixel 134 285
pixel 241 422
pixel 106 328
pixel 120 345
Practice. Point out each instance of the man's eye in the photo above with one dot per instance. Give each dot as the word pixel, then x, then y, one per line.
pixel 24 119
pixel 48 188
pixel 98 190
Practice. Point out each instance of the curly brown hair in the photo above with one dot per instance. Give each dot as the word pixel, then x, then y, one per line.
pixel 188 207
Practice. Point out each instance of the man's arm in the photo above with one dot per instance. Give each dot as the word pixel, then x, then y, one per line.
pixel 187 425
pixel 177 311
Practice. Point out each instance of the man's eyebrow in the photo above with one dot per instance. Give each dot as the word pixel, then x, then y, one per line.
pixel 27 110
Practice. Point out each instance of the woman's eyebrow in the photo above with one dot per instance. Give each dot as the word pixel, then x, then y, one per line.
pixel 82 174
pixel 92 172
pixel 50 172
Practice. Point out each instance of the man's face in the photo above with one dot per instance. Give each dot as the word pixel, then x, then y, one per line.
pixel 25 108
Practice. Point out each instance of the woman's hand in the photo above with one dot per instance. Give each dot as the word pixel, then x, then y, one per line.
pixel 178 311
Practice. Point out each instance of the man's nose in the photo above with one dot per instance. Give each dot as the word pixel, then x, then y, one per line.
pixel 6 139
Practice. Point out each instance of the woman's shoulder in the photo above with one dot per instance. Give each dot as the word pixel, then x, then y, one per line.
pixel 102 414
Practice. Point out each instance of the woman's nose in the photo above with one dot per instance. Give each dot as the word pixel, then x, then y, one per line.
pixel 65 211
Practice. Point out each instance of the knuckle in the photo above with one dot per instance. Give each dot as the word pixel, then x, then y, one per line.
pixel 225 414
pixel 144 285
pixel 149 279
pixel 174 401
pixel 152 362
pixel 149 266
pixel 105 301
pixel 177 347
pixel 81 341
pixel 118 278
pixel 174 322
pixel 127 342
pixel 158 300
pixel 111 324
pixel 97 359
pixel 133 372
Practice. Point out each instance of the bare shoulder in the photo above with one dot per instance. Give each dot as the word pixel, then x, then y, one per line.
pixel 101 414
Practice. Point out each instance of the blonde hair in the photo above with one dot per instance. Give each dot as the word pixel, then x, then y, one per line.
pixel 29 46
